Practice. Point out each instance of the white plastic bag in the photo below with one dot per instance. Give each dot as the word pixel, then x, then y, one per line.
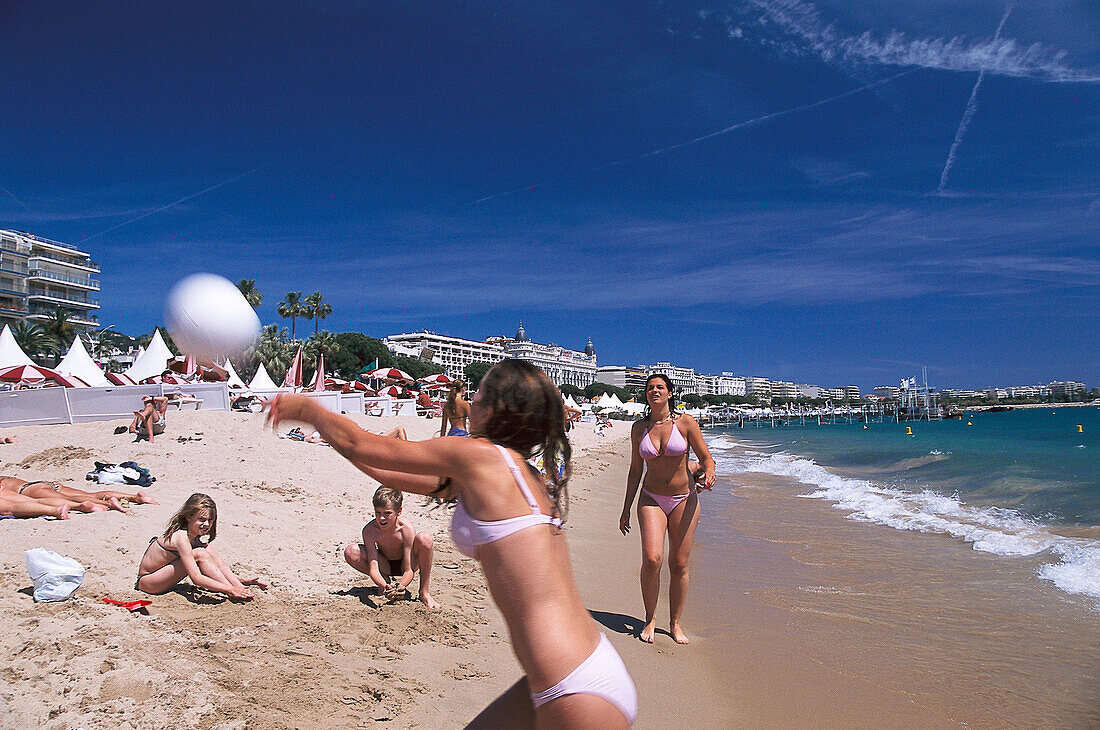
pixel 55 577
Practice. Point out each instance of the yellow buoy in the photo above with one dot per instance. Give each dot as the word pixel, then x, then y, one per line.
pixel 969 423
pixel 864 428
pixel 908 430
pixel 1079 429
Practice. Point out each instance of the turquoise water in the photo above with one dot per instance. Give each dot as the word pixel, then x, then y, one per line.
pixel 1022 482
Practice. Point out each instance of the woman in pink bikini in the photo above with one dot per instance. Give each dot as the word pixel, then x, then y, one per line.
pixel 508 518
pixel 659 442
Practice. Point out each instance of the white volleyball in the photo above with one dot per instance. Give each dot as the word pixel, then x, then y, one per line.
pixel 209 318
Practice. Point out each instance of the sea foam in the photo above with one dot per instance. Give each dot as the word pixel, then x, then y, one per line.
pixel 1075 566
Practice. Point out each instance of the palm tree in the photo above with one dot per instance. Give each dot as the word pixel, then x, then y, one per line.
pixel 59 330
pixel 30 337
pixel 273 350
pixel 323 342
pixel 316 309
pixel 292 307
pixel 252 295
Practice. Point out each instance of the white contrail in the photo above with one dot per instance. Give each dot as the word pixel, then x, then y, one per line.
pixel 12 196
pixel 172 204
pixel 968 114
pixel 697 140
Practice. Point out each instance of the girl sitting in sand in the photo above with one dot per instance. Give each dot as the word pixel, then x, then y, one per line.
pixel 184 551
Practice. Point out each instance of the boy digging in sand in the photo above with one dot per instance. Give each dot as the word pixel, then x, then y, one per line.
pixel 392 550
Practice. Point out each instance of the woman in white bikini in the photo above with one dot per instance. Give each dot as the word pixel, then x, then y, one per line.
pixel 669 504
pixel 508 518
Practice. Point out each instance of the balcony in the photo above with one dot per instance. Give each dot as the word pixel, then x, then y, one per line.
pixel 79 318
pixel 87 265
pixel 63 298
pixel 89 284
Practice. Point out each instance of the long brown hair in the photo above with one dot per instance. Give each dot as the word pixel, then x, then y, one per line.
pixel 194 503
pixel 648 412
pixel 457 387
pixel 528 416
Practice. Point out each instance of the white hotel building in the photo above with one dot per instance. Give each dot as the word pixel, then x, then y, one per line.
pixel 39 276
pixel 562 365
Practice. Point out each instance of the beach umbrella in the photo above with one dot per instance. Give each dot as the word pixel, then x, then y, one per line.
pixel 34 375
pixel 437 380
pixel 391 374
pixel 391 391
pixel 293 378
pixel 318 383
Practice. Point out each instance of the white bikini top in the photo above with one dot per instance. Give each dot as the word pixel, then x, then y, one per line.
pixel 467 533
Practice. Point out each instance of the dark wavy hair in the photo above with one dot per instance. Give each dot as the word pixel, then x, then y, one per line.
pixel 671 395
pixel 197 501
pixel 528 416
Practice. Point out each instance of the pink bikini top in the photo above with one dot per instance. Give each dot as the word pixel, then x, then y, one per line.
pixel 676 446
pixel 467 533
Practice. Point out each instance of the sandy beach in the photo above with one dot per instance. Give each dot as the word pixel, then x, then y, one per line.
pixel 792 624
pixel 318 649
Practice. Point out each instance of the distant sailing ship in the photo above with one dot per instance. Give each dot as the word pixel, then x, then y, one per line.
pixel 919 402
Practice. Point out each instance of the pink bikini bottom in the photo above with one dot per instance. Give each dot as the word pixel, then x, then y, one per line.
pixel 667 503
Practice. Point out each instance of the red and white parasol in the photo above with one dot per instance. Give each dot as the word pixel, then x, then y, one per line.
pixel 34 375
pixel 391 391
pixel 391 374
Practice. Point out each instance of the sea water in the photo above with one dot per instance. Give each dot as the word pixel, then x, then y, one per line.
pixel 1020 483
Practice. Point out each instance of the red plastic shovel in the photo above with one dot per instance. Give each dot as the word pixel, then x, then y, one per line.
pixel 130 606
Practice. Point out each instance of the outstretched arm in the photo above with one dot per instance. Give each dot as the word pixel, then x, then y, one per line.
pixel 438 457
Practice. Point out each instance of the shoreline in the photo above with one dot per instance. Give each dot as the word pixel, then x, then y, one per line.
pixel 798 616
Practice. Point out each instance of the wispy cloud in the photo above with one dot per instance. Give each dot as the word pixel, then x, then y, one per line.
pixel 756 19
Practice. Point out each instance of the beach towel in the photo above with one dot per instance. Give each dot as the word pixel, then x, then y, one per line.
pixel 128 472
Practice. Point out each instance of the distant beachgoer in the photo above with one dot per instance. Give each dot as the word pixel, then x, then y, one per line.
pixel 456 411
pixel 7 440
pixel 78 499
pixel 669 503
pixel 182 552
pixel 392 550
pixel 508 518
pixel 151 420
pixel 424 403
pixel 572 415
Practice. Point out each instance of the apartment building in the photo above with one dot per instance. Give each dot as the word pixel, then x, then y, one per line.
pixel 38 276
pixel 622 376
pixel 452 353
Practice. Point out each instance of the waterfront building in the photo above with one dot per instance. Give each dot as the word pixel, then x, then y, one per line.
pixel 622 376
pixel 706 384
pixel 561 365
pixel 784 389
pixel 39 276
pixel 960 394
pixel 1066 389
pixel 453 354
pixel 886 391
pixel 729 384
pixel 1028 391
pixel 805 390
pixel 683 379
pixel 758 387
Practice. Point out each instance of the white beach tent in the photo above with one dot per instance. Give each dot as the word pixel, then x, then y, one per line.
pixel 11 354
pixel 234 380
pixel 634 409
pixel 571 403
pixel 262 381
pixel 606 401
pixel 615 402
pixel 79 364
pixel 152 362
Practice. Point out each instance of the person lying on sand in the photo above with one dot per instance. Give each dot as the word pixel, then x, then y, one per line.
pixel 7 439
pixel 392 550
pixel 78 499
pixel 13 504
pixel 184 551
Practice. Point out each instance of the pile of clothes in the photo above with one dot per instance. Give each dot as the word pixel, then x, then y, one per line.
pixel 128 472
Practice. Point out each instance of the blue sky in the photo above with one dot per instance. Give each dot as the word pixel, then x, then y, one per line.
pixel 831 192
